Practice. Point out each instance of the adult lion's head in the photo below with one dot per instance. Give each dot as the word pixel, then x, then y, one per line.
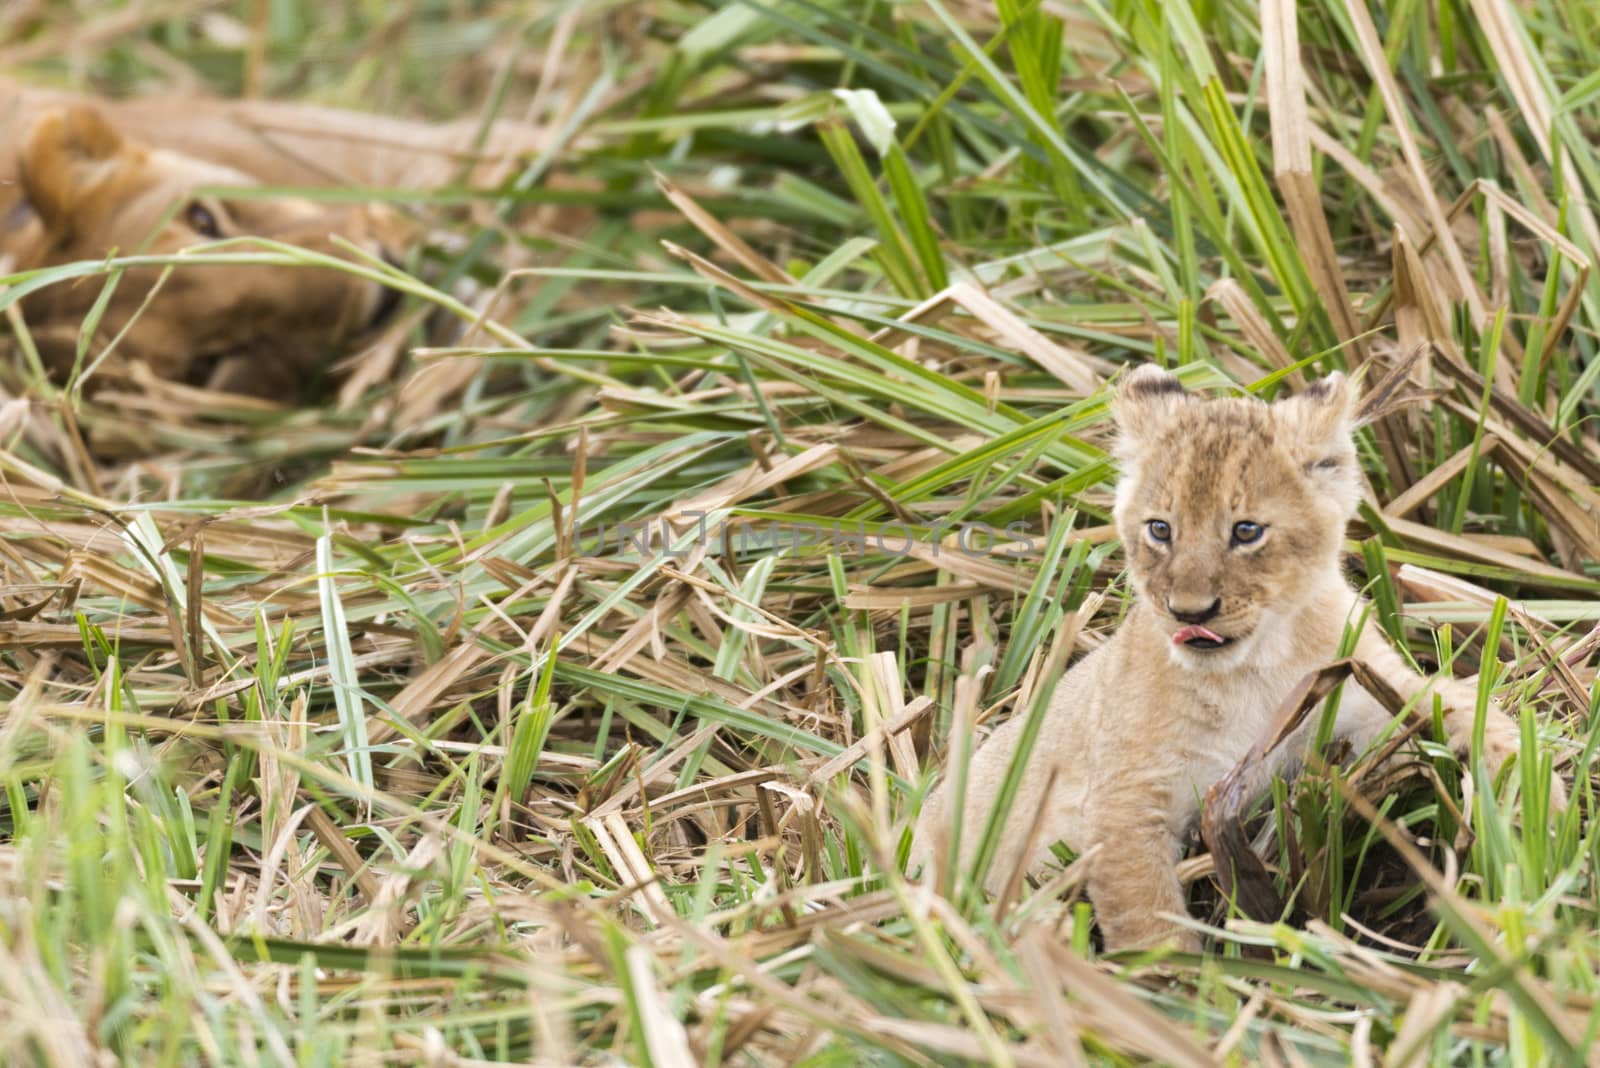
pixel 83 190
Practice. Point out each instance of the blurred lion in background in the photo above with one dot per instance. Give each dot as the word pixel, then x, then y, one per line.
pixel 81 179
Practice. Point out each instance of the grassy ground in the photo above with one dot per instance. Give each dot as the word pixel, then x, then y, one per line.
pixel 378 732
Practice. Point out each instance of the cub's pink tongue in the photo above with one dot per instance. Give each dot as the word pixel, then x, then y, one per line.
pixel 1193 631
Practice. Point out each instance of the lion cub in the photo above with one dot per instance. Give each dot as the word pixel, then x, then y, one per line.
pixel 1232 513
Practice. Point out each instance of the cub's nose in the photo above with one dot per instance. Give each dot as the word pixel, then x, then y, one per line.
pixel 1189 612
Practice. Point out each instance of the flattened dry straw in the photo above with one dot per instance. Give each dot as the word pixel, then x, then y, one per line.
pixel 336 736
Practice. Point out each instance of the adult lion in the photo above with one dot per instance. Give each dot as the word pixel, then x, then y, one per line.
pixel 81 180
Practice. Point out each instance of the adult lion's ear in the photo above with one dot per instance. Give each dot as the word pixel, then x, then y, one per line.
pixel 1145 400
pixel 1316 425
pixel 64 155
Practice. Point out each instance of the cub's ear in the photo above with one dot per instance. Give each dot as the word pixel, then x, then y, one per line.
pixel 1322 414
pixel 1316 425
pixel 1146 398
pixel 63 156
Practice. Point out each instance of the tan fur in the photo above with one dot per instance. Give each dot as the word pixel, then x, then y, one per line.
pixel 74 187
pixel 1139 730
pixel 283 143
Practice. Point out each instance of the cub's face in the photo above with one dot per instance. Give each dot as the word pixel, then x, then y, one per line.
pixel 1231 510
pixel 261 329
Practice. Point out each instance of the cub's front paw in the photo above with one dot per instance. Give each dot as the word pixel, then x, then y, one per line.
pixel 1558 792
pixel 1502 740
pixel 1156 935
pixel 1143 929
pixel 1185 941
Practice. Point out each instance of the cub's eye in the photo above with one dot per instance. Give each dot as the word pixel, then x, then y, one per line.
pixel 1159 530
pixel 1246 532
pixel 201 221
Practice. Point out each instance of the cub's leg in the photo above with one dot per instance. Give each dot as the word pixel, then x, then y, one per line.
pixel 1019 843
pixel 1133 876
pixel 1501 738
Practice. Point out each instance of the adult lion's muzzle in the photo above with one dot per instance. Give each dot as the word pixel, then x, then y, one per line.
pixel 389 299
pixel 262 328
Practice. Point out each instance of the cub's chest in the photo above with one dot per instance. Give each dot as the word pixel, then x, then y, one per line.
pixel 1229 714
